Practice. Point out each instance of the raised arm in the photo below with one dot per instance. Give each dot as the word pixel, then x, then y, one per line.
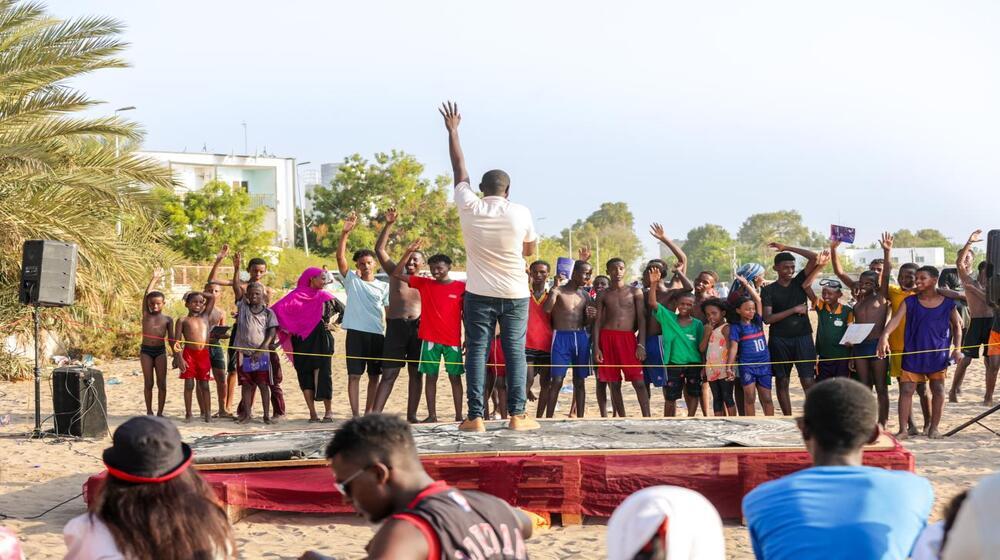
pixel 449 111
pixel 654 276
pixel 963 265
pixel 550 302
pixel 237 285
pixel 656 230
pixel 349 223
pixel 383 241
pixel 215 266
pixel 804 253
pixel 755 296
pixel 822 259
pixel 838 269
pixel 883 281
pixel 679 274
pixel 153 281
pixel 400 270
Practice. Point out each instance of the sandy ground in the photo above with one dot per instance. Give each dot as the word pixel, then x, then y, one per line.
pixel 38 474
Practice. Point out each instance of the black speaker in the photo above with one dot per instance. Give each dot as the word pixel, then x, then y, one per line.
pixel 79 402
pixel 48 273
pixel 993 265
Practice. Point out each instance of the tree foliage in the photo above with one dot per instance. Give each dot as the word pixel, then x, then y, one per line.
pixel 927 237
pixel 609 232
pixel 199 222
pixel 709 247
pixel 60 177
pixel 370 188
pixel 784 226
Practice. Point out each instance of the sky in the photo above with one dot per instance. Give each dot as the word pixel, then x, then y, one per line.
pixel 876 115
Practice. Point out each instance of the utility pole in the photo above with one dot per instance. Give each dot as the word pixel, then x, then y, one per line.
pixel 302 209
pixel 246 150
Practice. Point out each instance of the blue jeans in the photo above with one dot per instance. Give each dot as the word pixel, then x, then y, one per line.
pixel 481 316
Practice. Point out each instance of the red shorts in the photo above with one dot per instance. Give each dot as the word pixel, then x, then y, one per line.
pixel 618 348
pixel 994 344
pixel 496 357
pixel 199 364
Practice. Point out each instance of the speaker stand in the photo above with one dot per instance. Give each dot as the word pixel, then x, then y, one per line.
pixel 37 432
pixel 975 420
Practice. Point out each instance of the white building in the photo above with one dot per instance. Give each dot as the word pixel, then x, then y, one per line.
pixel 921 256
pixel 308 180
pixel 270 181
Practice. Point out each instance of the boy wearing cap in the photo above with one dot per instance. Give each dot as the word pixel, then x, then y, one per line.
pixel 785 309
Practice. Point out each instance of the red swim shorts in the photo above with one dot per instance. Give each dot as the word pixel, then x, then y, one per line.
pixel 994 348
pixel 199 364
pixel 618 348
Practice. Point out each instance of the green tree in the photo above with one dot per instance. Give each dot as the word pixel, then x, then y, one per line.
pixel 927 237
pixel 60 176
pixel 709 247
pixel 201 221
pixel 609 232
pixel 784 226
pixel 370 188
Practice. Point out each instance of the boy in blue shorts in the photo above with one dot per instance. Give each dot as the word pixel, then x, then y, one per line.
pixel 748 344
pixel 572 311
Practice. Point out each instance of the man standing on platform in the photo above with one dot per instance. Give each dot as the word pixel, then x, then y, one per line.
pixel 498 235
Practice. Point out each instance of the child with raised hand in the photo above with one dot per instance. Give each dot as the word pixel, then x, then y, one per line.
pixel 440 328
pixel 715 346
pixel 748 346
pixel 157 328
pixel 682 334
pixel 195 363
pixel 832 320
pixel 256 328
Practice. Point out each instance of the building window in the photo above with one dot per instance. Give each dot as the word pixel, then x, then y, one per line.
pixel 241 185
pixel 919 258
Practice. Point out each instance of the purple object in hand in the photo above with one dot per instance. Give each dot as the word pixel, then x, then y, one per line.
pixel 843 234
pixel 564 267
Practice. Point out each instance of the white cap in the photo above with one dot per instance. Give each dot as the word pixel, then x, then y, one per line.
pixel 694 529
pixel 974 534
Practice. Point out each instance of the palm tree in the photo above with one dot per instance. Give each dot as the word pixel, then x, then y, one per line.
pixel 60 177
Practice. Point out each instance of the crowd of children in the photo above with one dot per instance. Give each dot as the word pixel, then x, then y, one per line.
pixel 668 333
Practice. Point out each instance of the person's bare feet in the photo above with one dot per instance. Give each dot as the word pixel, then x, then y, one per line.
pixel 429 420
pixel 267 419
pixel 912 430
pixel 243 420
pixel 934 434
pixel 902 435
pixel 459 418
pixel 987 402
pixel 207 419
pixel 187 418
pixel 412 420
pixel 952 397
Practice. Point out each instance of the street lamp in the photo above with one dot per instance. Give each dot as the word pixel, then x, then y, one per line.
pixel 302 210
pixel 121 110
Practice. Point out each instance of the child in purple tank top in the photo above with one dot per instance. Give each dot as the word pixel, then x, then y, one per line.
pixel 931 342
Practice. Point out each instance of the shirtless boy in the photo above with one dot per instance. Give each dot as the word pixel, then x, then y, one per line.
pixel 872 307
pixel 157 328
pixel 619 311
pixel 402 345
pixel 977 335
pixel 191 334
pixel 572 312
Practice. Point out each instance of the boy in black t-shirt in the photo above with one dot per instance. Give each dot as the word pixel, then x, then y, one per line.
pixel 785 309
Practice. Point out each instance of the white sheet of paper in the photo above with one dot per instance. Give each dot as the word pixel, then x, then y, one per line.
pixel 856 333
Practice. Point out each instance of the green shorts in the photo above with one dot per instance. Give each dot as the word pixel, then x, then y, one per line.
pixel 430 359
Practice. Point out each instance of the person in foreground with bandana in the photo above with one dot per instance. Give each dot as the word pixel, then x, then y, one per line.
pixel 152 504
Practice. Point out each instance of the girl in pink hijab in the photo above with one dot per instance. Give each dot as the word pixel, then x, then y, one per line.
pixel 303 316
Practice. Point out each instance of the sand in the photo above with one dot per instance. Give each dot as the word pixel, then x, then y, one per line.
pixel 38 474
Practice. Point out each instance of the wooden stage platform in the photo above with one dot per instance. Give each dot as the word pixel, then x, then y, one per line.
pixel 569 469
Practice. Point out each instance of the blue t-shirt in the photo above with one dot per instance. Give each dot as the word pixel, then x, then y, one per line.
pixel 838 512
pixel 753 344
pixel 365 304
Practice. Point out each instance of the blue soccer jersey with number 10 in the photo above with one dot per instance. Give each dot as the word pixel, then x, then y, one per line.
pixel 753 344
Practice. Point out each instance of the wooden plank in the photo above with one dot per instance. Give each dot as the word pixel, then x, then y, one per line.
pixel 569 519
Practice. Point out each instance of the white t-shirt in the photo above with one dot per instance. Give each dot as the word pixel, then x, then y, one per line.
pixel 495 231
pixel 88 538
pixel 365 304
pixel 974 533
